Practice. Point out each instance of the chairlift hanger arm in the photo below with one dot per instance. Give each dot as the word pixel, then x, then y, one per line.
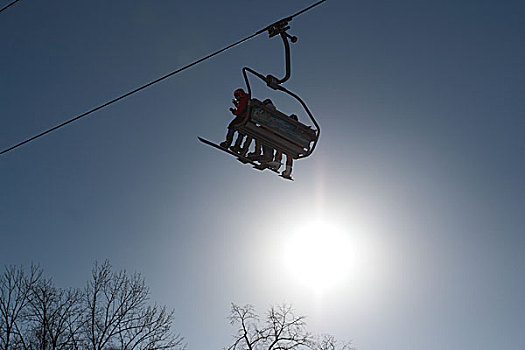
pixel 280 28
pixel 277 28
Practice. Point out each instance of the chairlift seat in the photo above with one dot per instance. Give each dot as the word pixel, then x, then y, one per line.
pixel 277 130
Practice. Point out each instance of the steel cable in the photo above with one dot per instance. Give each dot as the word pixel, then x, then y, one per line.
pixel 150 83
pixel 9 5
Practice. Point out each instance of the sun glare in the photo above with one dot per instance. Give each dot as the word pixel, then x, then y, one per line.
pixel 319 256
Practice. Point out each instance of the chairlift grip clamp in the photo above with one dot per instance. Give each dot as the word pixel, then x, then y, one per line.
pixel 272 81
pixel 280 27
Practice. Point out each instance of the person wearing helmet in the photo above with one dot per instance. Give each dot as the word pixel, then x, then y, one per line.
pixel 240 101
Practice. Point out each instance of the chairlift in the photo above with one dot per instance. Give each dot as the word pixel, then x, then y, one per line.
pixel 282 132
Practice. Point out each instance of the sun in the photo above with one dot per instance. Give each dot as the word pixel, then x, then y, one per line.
pixel 319 256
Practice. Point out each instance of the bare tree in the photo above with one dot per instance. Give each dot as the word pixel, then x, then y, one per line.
pixel 54 315
pixel 281 329
pixel 118 315
pixel 328 342
pixel 15 293
pixel 113 312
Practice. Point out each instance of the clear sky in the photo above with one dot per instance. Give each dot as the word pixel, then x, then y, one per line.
pixel 419 170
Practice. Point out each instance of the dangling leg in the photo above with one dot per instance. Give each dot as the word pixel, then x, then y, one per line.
pixel 276 163
pixel 287 173
pixel 231 132
pixel 246 146
pixel 229 139
pixel 237 147
pixel 267 154
pixel 256 154
pixel 278 156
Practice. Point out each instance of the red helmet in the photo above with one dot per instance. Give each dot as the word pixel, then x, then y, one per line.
pixel 239 93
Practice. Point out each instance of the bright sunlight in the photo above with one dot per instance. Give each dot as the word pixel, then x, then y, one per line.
pixel 319 256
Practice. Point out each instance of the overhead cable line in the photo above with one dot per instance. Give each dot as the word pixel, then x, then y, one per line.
pixel 156 80
pixel 9 5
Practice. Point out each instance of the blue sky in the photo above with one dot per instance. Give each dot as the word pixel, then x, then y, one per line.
pixel 420 162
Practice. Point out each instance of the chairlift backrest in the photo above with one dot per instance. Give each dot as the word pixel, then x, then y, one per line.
pixel 277 130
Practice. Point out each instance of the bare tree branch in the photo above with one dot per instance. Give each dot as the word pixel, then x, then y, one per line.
pixel 52 314
pixel 112 312
pixel 15 294
pixel 281 329
pixel 119 315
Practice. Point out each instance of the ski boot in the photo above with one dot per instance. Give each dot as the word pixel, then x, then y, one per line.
pixel 237 147
pixel 287 173
pixel 253 156
pixel 274 165
pixel 265 159
pixel 228 142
